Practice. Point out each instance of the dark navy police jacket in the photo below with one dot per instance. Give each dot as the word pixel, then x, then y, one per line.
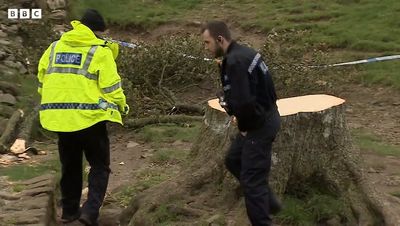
pixel 248 87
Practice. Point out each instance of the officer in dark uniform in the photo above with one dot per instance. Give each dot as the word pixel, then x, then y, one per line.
pixel 249 95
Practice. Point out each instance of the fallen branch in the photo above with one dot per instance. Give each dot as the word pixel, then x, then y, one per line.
pixel 186 87
pixel 162 77
pixel 187 109
pixel 10 128
pixel 177 119
pixel 168 94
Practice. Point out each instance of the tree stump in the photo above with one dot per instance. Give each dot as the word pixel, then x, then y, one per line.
pixel 313 149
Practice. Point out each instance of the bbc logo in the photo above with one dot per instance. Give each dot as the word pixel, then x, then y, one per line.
pixel 24 13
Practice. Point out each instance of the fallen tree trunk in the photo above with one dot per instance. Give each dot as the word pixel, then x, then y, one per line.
pixel 28 124
pixel 10 129
pixel 313 152
pixel 25 131
pixel 177 119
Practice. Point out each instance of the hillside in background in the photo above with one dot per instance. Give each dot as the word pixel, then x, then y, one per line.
pixel 348 30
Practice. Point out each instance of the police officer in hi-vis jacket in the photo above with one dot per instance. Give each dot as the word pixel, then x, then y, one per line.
pixel 80 91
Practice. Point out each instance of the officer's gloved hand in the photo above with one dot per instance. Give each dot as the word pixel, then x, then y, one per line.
pixel 114 48
pixel 125 111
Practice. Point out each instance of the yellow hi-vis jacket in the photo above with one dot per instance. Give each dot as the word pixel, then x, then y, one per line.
pixel 79 83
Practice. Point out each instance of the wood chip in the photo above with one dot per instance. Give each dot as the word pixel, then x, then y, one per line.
pixel 24 156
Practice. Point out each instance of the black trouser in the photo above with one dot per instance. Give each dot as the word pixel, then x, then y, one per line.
pixel 94 142
pixel 249 160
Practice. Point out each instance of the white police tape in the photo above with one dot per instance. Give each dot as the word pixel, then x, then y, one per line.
pixel 366 61
pixel 122 43
pixel 197 58
pixel 370 60
pixel 133 46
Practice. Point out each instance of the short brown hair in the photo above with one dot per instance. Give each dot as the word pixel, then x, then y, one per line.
pixel 217 28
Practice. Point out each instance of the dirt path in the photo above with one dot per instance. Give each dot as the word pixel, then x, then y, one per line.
pixel 376 109
pixel 125 157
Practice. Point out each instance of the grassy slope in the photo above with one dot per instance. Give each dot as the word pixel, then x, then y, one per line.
pixel 361 28
pixel 369 142
pixel 25 171
pixel 138 12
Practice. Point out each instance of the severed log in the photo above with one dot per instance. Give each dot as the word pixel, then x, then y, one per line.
pixel 3 123
pixel 313 149
pixel 9 88
pixel 6 111
pixel 29 123
pixel 10 130
pixel 177 119
pixel 25 131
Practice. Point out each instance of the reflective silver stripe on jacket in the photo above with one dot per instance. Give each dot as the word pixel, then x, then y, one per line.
pixel 254 63
pixel 112 88
pixel 72 70
pixel 79 71
pixel 79 106
pixel 264 67
pixel 53 45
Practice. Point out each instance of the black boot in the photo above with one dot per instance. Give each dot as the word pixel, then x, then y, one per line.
pixel 67 218
pixel 275 204
pixel 87 220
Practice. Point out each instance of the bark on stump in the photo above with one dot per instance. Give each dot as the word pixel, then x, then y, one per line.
pixel 313 148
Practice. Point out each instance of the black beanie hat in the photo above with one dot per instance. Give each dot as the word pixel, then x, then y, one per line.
pixel 93 19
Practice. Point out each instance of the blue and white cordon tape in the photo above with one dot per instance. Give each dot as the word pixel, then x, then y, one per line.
pixel 366 61
pixel 121 43
pixel 370 60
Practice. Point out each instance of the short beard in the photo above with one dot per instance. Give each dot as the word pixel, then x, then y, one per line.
pixel 219 52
